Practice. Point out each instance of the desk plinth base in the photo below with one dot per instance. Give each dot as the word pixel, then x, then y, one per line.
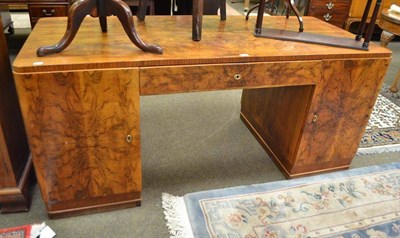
pixel 278 162
pixel 82 209
pixel 18 199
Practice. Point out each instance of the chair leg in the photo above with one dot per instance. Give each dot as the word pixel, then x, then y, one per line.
pixel 101 11
pixel 371 25
pixel 393 88
pixel 197 19
pixel 363 23
pixel 142 9
pixel 260 16
pixel 252 8
pixel 151 6
pixel 103 23
pixel 222 9
pixel 297 13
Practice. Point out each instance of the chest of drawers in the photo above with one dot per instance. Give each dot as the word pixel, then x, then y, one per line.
pixel 46 8
pixel 332 11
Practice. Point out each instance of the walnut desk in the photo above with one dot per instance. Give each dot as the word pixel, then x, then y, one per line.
pixel 308 105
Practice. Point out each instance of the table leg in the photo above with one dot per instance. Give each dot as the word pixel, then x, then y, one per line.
pixel 387 37
pixel 260 16
pixel 142 9
pixel 197 19
pixel 393 88
pixel 222 9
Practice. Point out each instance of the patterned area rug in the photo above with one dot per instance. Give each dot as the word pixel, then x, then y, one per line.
pixel 383 130
pixel 354 203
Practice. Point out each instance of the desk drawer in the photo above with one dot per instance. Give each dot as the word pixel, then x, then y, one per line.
pixel 176 79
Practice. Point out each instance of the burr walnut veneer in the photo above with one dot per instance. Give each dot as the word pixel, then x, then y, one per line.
pixel 308 105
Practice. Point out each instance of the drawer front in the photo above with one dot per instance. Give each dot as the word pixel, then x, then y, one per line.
pixel 47 1
pixel 48 10
pixel 176 79
pixel 37 11
pixel 334 12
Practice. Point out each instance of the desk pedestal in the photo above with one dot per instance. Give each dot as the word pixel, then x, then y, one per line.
pixel 315 128
pixel 84 136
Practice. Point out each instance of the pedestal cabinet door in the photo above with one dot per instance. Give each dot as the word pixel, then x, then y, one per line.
pixel 83 129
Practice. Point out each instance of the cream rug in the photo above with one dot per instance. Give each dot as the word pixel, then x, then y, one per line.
pixel 20 19
pixel 383 131
pixel 355 203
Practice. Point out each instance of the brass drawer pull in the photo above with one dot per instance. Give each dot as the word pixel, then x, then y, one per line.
pixel 237 77
pixel 327 17
pixel 330 5
pixel 48 14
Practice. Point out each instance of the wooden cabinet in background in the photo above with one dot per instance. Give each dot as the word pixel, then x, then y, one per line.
pixel 332 11
pixel 343 13
pixel 58 8
pixel 46 8
pixel 15 160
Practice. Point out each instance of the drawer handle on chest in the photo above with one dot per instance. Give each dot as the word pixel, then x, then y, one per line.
pixel 330 5
pixel 327 17
pixel 48 14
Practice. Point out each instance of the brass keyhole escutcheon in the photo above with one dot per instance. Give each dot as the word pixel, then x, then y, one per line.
pixel 315 118
pixel 129 138
pixel 237 77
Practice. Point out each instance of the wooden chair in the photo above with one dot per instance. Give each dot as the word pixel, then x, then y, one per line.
pixel 390 25
pixel 197 15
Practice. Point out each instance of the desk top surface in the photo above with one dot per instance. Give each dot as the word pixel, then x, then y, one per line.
pixel 230 41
